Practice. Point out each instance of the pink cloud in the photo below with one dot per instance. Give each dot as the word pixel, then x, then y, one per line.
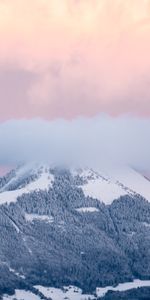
pixel 74 58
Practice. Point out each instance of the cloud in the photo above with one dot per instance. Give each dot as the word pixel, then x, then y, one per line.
pixel 85 57
pixel 94 141
pixel 14 84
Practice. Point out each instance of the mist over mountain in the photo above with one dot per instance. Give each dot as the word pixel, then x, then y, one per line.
pixel 97 142
pixel 75 150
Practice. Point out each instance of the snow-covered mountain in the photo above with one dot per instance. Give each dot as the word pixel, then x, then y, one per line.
pixel 72 227
pixel 104 185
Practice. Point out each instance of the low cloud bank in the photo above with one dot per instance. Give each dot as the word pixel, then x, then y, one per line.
pixel 93 142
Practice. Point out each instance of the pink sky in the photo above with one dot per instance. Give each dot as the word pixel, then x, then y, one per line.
pixel 4 170
pixel 74 57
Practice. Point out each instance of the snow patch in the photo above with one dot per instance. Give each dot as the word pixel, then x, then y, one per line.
pixel 75 293
pixel 146 224
pixel 134 181
pixel 15 226
pixel 16 273
pixel 12 270
pixel 22 295
pixel 100 187
pixel 101 292
pixel 33 217
pixel 108 185
pixel 26 245
pixel 87 209
pixel 102 190
pixel 44 182
pixel 70 293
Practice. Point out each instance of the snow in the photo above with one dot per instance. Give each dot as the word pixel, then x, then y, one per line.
pixel 16 273
pixel 12 270
pixel 100 292
pixel 44 182
pixel 75 293
pixel 108 185
pixel 134 181
pixel 22 295
pixel 131 234
pixel 26 245
pixel 44 218
pixel 87 209
pixel 21 172
pixel 100 187
pixel 102 190
pixel 146 224
pixel 70 293
pixel 15 226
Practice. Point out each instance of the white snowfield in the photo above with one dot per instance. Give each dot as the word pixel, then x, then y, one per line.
pixel 44 182
pixel 101 292
pixel 22 295
pixel 34 217
pixel 75 293
pixel 68 293
pixel 109 185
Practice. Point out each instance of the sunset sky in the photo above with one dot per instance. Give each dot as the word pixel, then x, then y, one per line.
pixel 66 59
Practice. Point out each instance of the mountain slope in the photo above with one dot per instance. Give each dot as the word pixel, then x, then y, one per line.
pixel 26 181
pixel 108 185
pixel 105 186
pixel 53 234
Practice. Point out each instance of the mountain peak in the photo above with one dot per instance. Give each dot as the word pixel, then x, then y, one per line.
pixel 103 185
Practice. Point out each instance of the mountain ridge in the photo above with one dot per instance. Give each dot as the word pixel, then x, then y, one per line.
pixel 58 235
pixel 105 186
